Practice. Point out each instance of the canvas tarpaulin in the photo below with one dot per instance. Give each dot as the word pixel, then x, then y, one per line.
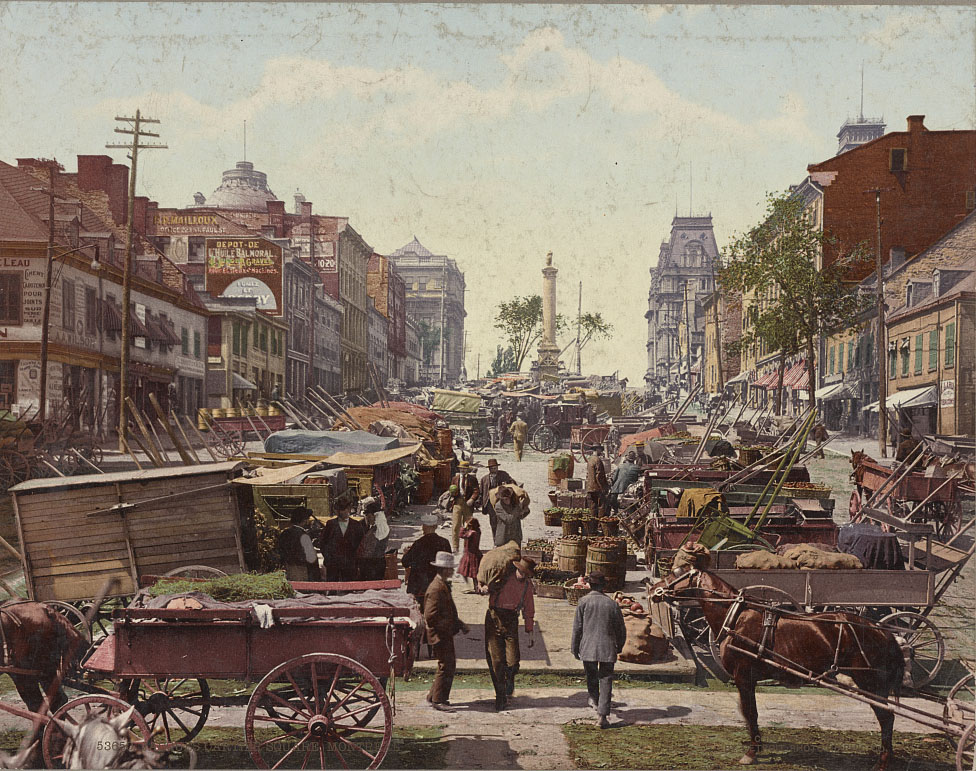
pixel 325 443
pixel 455 401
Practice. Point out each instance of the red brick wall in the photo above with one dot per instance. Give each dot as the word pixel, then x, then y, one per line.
pixel 918 206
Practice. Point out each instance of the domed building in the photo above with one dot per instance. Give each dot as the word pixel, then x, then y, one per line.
pixel 241 188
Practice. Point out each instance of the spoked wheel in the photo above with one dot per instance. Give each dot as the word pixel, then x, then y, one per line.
pixel 479 439
pixel 922 642
pixel 771 596
pixel 964 750
pixel 694 626
pixel 195 571
pixel 948 518
pixel 313 708
pixel 544 439
pixel 229 444
pixel 960 706
pixel 77 619
pixel 56 745
pixel 179 706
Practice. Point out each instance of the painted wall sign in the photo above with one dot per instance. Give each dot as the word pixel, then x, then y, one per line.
pixel 948 393
pixel 246 267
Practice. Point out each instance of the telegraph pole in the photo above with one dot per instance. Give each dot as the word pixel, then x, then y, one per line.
pixel 137 133
pixel 688 333
pixel 441 343
pixel 880 344
pixel 579 319
pixel 46 313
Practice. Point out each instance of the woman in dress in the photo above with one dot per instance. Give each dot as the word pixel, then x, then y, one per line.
pixel 471 559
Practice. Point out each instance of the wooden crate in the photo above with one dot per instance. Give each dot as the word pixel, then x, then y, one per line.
pixel 77 532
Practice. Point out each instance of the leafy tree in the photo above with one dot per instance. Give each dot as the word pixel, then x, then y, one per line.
pixel 520 320
pixel 429 336
pixel 794 303
pixel 504 361
pixel 592 325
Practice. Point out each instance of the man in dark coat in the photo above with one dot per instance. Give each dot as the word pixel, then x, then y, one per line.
pixel 494 478
pixel 623 477
pixel 419 556
pixel 339 541
pixel 442 621
pixel 599 635
pixel 514 595
pixel 298 556
pixel 596 482
pixel 906 446
pixel 469 492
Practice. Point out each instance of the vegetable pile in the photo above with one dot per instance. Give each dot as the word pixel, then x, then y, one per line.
pixel 236 588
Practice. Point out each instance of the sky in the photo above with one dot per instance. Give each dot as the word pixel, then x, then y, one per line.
pixel 493 133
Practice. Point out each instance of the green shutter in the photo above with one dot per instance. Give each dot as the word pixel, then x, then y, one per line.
pixel 196 345
pixel 869 350
pixel 830 366
pixel 933 349
pixel 950 345
pixel 919 342
pixel 237 338
pixel 850 353
pixel 185 341
pixel 893 363
pixel 904 361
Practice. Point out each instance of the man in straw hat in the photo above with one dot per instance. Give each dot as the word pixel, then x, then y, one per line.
pixel 443 622
pixel 599 635
pixel 515 595
pixel 419 556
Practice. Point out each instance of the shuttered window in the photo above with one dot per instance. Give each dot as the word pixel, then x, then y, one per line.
pixel 950 345
pixel 933 349
pixel 919 342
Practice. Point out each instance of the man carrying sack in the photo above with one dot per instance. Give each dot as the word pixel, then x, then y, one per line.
pixel 599 635
pixel 441 618
pixel 506 599
pixel 464 503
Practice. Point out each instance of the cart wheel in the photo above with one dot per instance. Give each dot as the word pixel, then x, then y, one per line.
pixel 75 617
pixel 960 704
pixel 76 712
pixel 544 439
pixel 855 506
pixel 180 705
pixel 948 518
pixel 195 571
pixel 922 640
pixel 964 750
pixel 479 439
pixel 771 596
pixel 313 704
pixel 695 626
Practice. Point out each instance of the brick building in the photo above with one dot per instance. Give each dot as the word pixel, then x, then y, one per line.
pixel 928 184
pixel 723 327
pixel 388 291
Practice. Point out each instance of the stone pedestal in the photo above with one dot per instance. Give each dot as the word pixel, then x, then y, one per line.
pixel 548 362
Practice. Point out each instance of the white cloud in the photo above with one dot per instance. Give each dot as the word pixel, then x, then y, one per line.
pixel 902 27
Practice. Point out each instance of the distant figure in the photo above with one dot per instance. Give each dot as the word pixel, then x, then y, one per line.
pixel 623 477
pixel 340 539
pixel 906 446
pixel 501 427
pixel 298 556
pixel 372 549
pixel 494 478
pixel 820 436
pixel 464 503
pixel 420 554
pixel 596 482
pixel 511 506
pixel 519 431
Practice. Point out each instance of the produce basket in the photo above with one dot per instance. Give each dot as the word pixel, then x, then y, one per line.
pixel 573 594
pixel 610 526
pixel 572 526
pixel 553 517
pixel 591 526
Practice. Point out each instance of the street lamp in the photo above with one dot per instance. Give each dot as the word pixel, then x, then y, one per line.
pixel 46 316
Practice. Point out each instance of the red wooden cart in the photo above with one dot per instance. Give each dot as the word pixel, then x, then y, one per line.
pixel 940 497
pixel 321 673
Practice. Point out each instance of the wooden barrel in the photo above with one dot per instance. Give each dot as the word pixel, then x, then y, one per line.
pixel 445 442
pixel 557 475
pixel 606 559
pixel 442 476
pixel 426 487
pixel 571 556
pixel 262 410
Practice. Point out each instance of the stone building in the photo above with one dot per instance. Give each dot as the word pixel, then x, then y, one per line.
pixel 328 335
pixel 168 321
pixel 680 282
pixel 378 351
pixel 435 297
pixel 723 328
pixel 414 360
pixel 388 291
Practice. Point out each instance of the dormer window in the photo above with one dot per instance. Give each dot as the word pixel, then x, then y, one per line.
pixel 898 159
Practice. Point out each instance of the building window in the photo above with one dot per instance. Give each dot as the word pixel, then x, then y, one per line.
pixel 91 311
pixel 950 345
pixel 264 340
pixel 898 159
pixel 933 349
pixel 185 342
pixel 869 350
pixel 11 295
pixel 196 249
pixel 919 341
pixel 196 345
pixel 257 336
pixel 68 304
pixel 892 363
pixel 906 349
pixel 830 365
pixel 237 338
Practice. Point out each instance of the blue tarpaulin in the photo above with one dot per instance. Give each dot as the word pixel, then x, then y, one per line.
pixel 328 442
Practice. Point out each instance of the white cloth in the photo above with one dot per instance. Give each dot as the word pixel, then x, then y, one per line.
pixel 382 526
pixel 265 616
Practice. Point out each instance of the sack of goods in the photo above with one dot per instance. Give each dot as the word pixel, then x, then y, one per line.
pixel 764 560
pixel 809 557
pixel 646 643
pixel 496 565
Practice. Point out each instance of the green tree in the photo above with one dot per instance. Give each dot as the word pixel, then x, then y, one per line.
pixel 504 361
pixel 429 336
pixel 793 303
pixel 520 320
pixel 591 326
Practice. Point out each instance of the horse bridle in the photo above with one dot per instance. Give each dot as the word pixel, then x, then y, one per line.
pixel 666 593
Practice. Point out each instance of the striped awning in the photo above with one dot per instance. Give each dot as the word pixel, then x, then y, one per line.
pixel 769 380
pixel 795 374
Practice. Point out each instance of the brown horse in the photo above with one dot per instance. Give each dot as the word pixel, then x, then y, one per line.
pixel 41 645
pixel 752 640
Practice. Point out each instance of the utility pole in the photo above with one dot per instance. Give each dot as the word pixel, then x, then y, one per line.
pixel 479 366
pixel 49 269
pixel 688 333
pixel 441 343
pixel 137 133
pixel 880 345
pixel 579 319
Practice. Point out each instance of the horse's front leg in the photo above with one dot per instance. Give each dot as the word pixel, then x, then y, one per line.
pixel 887 721
pixel 747 703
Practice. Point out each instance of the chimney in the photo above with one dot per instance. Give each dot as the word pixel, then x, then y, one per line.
pixel 118 192
pixel 916 123
pixel 93 172
pixel 306 210
pixel 139 208
pixel 151 216
pixel 276 217
pixel 896 257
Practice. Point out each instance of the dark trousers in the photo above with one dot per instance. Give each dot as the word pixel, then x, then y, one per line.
pixel 599 684
pixel 502 649
pixel 440 691
pixel 597 503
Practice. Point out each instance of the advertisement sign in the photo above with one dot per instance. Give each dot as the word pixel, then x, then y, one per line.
pixel 187 224
pixel 246 267
pixel 948 391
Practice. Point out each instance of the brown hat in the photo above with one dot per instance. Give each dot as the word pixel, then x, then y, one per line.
pixel 526 565
pixel 492 463
pixel 596 579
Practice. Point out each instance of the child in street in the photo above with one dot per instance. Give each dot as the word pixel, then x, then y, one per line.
pixel 471 559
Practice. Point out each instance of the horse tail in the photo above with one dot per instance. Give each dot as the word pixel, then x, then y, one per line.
pixel 896 666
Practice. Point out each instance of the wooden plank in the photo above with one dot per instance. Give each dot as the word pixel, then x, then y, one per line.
pixel 184 455
pixel 187 557
pixel 225 545
pixel 65 556
pixel 79 588
pixel 80 569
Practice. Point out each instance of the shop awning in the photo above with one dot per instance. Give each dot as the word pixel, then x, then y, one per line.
pixel 740 378
pixel 768 380
pixel 242 384
pixel 831 392
pixel 913 397
pixel 795 375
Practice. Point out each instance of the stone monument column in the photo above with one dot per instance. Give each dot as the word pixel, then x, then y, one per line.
pixel 548 349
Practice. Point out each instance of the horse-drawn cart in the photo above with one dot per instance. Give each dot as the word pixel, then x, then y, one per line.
pixel 464 414
pixel 321 665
